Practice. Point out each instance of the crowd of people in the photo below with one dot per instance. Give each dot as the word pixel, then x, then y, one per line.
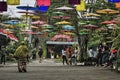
pixel 104 57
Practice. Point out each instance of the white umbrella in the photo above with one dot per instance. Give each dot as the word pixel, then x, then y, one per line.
pixel 64 8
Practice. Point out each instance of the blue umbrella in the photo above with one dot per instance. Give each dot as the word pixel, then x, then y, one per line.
pixel 27 8
pixel 12 22
pixel 68 27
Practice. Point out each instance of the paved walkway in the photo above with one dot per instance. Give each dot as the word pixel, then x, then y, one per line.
pixel 45 62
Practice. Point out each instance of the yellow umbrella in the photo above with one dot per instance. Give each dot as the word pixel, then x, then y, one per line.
pixel 107 11
pixel 7 25
pixel 27 16
pixel 90 14
pixel 34 27
pixel 69 33
pixel 63 22
pixel 35 17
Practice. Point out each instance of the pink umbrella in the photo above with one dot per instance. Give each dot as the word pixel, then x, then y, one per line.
pixel 61 17
pixel 58 36
pixel 38 22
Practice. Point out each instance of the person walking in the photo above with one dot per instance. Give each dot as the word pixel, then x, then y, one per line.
pixel 99 56
pixel 3 55
pixel 64 57
pixel 21 54
pixel 40 53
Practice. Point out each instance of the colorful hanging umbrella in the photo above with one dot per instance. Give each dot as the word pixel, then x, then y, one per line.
pixel 26 12
pixel 63 22
pixel 38 22
pixel 12 22
pixel 91 14
pixel 107 11
pixel 69 33
pixel 58 13
pixel 64 8
pixel 68 27
pixel 34 27
pixel 61 36
pixel 27 8
pixel 12 37
pixel 90 26
pixel 61 17
pixel 109 22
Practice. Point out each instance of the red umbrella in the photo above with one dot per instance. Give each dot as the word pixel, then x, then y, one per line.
pixel 12 37
pixel 90 26
pixel 109 22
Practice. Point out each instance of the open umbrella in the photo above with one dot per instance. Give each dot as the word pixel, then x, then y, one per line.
pixel 38 22
pixel 90 26
pixel 27 8
pixel 12 22
pixel 109 22
pixel 61 17
pixel 68 27
pixel 26 12
pixel 63 22
pixel 61 36
pixel 64 8
pixel 58 13
pixel 91 14
pixel 107 11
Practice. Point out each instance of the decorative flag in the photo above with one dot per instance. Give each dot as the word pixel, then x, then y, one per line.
pixel 114 1
pixel 117 5
pixel 43 8
pixel 13 2
pixel 74 2
pixel 43 2
pixel 81 6
pixel 3 6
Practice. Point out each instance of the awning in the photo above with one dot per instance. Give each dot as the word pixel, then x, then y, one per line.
pixel 56 42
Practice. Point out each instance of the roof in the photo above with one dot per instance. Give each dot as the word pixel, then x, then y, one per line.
pixel 57 42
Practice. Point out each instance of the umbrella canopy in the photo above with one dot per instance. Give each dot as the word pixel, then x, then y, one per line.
pixel 61 17
pixel 68 27
pixel 58 13
pixel 12 22
pixel 8 34
pixel 6 25
pixel 109 22
pixel 69 33
pixel 26 12
pixel 91 14
pixel 64 8
pixel 61 36
pixel 90 26
pixel 112 26
pixel 38 22
pixel 12 37
pixel 63 22
pixel 27 8
pixel 34 27
pixel 107 11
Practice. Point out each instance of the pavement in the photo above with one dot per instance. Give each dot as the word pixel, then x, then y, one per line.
pixel 45 62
